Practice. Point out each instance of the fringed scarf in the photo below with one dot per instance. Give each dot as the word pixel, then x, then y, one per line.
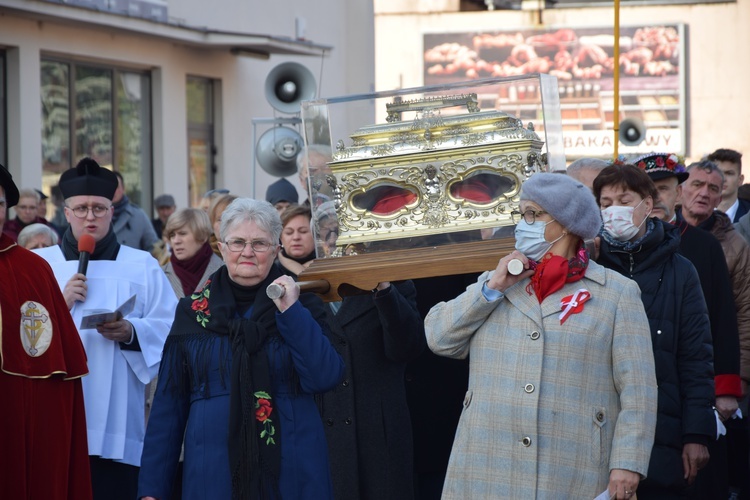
pixel 189 271
pixel 254 435
pixel 554 271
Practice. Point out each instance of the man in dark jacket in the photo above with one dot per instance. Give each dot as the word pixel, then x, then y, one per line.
pixel 132 226
pixel 704 251
pixel 645 250
pixel 701 195
pixel 366 417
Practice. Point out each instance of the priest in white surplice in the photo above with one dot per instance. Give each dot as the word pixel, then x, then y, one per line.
pixel 123 356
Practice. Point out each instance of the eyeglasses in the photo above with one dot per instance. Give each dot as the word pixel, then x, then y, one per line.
pixel 259 246
pixel 82 211
pixel 529 215
pixel 3 202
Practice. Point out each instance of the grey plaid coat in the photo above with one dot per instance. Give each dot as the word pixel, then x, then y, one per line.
pixel 551 408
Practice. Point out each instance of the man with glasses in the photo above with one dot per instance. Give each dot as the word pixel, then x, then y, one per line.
pixel 123 354
pixel 26 214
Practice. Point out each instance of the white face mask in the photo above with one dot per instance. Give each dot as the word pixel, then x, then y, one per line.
pixel 530 239
pixel 618 222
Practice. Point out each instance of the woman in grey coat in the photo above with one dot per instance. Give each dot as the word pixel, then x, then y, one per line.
pixel 562 392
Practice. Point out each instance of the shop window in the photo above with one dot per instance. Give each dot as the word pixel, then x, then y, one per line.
pixel 101 112
pixel 201 143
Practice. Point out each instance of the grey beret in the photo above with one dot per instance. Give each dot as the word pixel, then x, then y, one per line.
pixel 571 203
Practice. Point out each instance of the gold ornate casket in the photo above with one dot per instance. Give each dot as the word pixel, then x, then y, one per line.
pixel 443 159
pixel 432 173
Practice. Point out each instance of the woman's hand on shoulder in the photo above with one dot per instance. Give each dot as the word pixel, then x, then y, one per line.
pixel 291 293
pixel 502 279
pixel 623 483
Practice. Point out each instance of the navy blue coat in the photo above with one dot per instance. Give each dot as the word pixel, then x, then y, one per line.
pixel 681 337
pixel 202 417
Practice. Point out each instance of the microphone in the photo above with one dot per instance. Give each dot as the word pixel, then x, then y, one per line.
pixel 86 244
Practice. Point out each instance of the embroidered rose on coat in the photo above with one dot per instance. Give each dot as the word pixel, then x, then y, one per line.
pixel 263 410
pixel 200 305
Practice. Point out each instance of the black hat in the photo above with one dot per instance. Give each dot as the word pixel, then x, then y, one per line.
pixel 281 190
pixel 11 191
pixel 88 179
pixel 42 196
pixel 662 165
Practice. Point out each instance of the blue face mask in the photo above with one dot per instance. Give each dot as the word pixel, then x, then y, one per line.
pixel 530 239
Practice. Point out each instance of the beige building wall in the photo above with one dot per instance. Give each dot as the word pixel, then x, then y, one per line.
pixel 718 59
pixel 346 27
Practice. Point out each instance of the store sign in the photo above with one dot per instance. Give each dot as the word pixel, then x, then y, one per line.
pixel 652 79
pixel 153 10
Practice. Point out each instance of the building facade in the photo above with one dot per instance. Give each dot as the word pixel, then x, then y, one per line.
pixel 163 91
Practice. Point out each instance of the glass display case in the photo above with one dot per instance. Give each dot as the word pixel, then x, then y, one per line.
pixel 421 168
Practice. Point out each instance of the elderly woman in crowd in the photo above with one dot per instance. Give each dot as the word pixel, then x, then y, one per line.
pixel 192 260
pixel 37 235
pixel 645 249
pixel 562 394
pixel 237 378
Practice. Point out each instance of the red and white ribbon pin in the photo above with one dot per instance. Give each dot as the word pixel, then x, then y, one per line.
pixel 573 304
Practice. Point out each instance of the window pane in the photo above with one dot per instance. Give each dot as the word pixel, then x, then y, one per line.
pixel 199 97
pixel 55 118
pixel 133 134
pixel 93 114
pixel 198 150
pixel 199 101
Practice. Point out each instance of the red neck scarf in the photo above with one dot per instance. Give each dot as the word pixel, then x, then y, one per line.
pixel 554 271
pixel 189 271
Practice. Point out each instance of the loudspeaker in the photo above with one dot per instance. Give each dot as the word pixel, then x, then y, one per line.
pixel 276 151
pixel 287 85
pixel 632 131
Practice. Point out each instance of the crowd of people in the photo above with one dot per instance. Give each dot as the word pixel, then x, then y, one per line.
pixel 153 364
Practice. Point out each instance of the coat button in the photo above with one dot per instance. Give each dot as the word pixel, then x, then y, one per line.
pixel 526 441
pixel 345 383
pixel 529 388
pixel 348 421
pixel 600 416
pixel 535 335
pixel 329 421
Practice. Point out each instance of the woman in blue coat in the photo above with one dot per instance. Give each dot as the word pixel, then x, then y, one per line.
pixel 237 379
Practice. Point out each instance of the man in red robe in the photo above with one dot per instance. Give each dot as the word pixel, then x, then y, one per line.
pixel 43 448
